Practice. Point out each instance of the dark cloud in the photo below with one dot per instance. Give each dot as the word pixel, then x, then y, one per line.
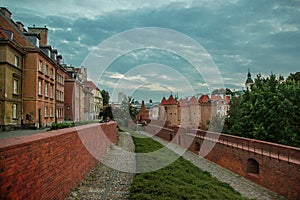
pixel 260 35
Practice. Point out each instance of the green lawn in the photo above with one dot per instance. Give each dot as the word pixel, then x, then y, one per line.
pixel 179 180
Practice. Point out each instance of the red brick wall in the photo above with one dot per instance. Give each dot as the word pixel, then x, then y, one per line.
pixel 48 165
pixel 279 165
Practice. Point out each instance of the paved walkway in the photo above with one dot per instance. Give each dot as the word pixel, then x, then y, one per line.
pixel 103 182
pixel 109 181
pixel 19 133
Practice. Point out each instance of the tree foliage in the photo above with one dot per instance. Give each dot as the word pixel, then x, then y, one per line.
pixel 218 91
pixel 270 112
pixel 295 77
pixel 105 96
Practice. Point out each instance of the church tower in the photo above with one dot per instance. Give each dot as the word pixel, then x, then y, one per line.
pixel 249 81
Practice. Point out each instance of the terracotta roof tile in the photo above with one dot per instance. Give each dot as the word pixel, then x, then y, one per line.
pixel 90 85
pixel 215 98
pixel 171 101
pixel 181 103
pixel 204 99
pixel 227 99
pixel 163 101
pixel 193 101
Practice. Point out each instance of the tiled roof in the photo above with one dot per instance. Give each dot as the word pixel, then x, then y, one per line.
pixel 91 85
pixel 171 101
pixel 204 99
pixel 181 103
pixel 193 101
pixel 163 101
pixel 216 98
pixel 227 99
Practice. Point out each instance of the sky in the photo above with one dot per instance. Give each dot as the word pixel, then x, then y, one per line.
pixel 150 49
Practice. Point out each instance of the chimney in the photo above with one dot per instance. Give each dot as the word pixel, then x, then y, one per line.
pixel 54 54
pixel 43 32
pixel 20 26
pixel 59 58
pixel 6 12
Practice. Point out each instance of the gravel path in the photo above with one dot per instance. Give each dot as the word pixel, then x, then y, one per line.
pixel 244 186
pixel 108 180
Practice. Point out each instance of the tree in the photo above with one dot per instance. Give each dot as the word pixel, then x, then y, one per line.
pixel 229 92
pixel 295 77
pixel 105 96
pixel 218 91
pixel 270 112
pixel 107 112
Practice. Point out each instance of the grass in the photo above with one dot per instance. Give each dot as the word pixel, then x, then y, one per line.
pixel 179 180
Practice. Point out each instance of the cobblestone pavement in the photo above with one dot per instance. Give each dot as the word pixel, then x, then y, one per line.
pixel 245 187
pixel 108 180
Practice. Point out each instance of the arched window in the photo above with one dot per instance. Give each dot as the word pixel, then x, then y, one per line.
pixel 170 137
pixel 252 166
pixel 197 146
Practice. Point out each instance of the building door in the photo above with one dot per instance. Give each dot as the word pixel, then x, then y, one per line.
pixel 40 118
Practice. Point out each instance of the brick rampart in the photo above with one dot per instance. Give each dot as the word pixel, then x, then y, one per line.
pixel 48 165
pixel 278 165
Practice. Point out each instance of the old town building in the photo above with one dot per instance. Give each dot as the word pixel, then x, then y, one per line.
pixel 11 78
pixel 73 97
pixel 61 73
pixel 39 87
pixel 97 101
pixel 192 112
pixel 36 90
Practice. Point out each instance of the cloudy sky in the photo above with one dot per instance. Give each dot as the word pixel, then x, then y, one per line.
pixel 192 46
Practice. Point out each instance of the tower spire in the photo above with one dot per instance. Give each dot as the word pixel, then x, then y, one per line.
pixel 249 80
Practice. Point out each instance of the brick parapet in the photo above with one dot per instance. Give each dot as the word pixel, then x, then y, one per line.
pixel 48 165
pixel 279 165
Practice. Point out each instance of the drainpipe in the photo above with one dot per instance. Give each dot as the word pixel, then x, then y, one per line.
pixel 54 93
pixel 22 97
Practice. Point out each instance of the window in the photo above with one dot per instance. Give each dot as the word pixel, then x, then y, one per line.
pixel 16 61
pixel 46 111
pixel 46 89
pixel 51 112
pixel 252 166
pixel 197 146
pixel 46 70
pixel 14 111
pixel 51 73
pixel 40 66
pixel 51 91
pixel 40 87
pixel 16 91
